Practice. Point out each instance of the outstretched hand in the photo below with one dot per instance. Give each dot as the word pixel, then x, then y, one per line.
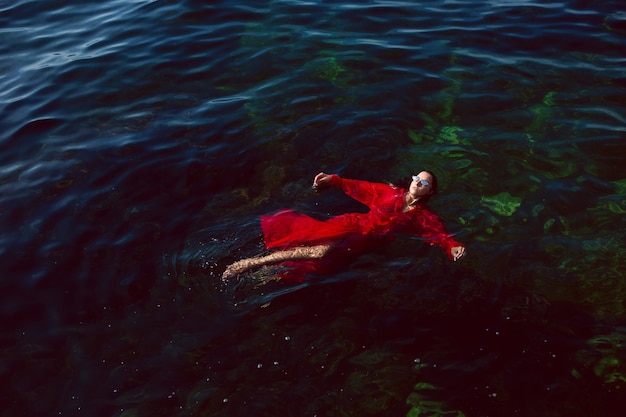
pixel 457 252
pixel 321 180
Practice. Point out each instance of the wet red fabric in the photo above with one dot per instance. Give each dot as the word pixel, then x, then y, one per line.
pixel 288 228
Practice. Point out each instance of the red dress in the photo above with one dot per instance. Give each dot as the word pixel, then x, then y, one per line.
pixel 287 228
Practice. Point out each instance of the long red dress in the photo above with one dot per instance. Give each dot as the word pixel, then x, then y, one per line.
pixel 353 231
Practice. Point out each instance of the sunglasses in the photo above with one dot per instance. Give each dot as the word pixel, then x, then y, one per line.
pixel 417 179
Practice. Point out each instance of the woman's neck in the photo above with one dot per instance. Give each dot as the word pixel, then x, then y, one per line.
pixel 410 201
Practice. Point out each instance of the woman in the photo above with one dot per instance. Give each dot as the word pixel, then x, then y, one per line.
pixel 303 242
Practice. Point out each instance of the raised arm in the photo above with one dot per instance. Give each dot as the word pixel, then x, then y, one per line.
pixel 363 191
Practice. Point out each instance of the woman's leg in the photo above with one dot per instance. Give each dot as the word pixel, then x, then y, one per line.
pixel 300 252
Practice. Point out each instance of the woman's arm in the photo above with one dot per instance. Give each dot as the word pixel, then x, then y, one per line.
pixel 430 227
pixel 365 192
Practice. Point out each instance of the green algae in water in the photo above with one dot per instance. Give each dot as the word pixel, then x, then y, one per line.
pixel 449 154
pixel 608 368
pixel 548 224
pixel 461 164
pixel 374 390
pixel 614 203
pixel 605 357
pixel 262 123
pixel 414 136
pixel 615 21
pixel 503 204
pixel 617 208
pixel 260 35
pixel 327 69
pixel 548 99
pixel 449 93
pixel 371 357
pixel 450 135
pixel 421 407
pixel 621 186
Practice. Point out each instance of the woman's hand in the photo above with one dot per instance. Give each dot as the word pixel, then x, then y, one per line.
pixel 321 180
pixel 457 252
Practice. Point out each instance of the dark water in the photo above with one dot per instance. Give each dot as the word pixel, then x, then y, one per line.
pixel 140 140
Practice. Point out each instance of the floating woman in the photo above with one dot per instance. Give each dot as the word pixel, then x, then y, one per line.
pixel 303 243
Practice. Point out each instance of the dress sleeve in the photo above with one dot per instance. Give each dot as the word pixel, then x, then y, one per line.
pixel 368 193
pixel 430 227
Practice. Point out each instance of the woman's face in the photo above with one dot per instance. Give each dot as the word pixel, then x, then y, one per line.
pixel 422 185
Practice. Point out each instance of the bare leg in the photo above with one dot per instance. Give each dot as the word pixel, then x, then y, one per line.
pixel 300 252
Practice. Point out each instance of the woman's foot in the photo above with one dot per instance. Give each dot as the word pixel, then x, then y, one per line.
pixel 236 268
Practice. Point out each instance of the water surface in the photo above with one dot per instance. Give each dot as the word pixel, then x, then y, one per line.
pixel 141 140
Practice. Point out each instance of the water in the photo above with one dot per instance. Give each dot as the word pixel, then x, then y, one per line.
pixel 141 140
